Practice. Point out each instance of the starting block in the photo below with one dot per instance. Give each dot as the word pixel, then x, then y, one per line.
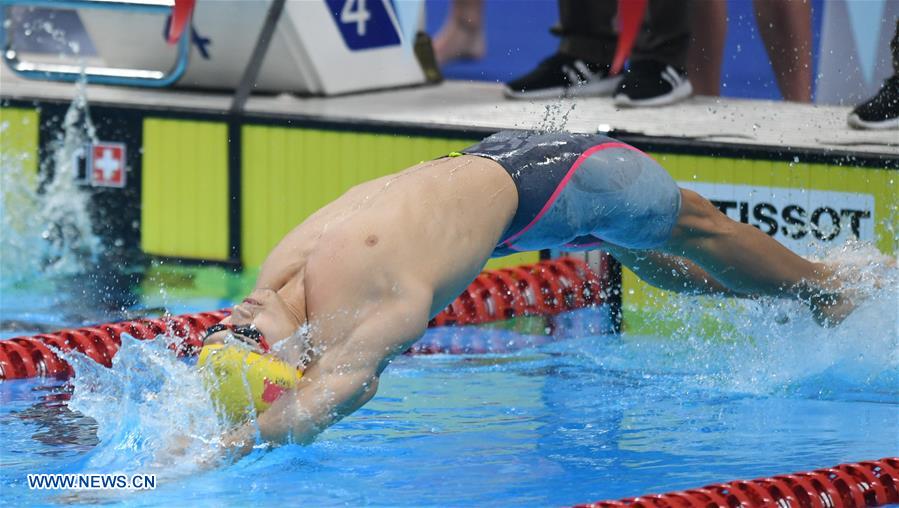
pixel 316 47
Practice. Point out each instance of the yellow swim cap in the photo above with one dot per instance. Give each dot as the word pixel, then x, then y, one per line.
pixel 240 380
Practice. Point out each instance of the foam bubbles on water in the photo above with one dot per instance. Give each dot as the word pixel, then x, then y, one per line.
pixel 152 411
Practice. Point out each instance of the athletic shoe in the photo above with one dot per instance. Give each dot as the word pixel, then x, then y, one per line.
pixel 882 111
pixel 651 83
pixel 560 76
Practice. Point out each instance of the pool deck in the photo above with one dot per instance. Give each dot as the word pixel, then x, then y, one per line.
pixel 481 107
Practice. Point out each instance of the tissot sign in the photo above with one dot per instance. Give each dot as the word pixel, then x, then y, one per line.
pixel 803 220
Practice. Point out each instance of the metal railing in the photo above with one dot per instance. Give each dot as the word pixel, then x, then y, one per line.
pixel 96 74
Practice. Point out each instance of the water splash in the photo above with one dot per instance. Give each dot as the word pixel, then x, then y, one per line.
pixel 65 204
pixel 773 346
pixel 555 116
pixel 152 411
pixel 46 227
pixel 857 358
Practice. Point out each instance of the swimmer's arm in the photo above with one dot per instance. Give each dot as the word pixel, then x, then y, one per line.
pixel 298 416
pixel 669 272
pixel 323 400
pixel 340 381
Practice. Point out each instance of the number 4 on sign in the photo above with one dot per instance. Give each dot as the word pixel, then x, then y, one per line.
pixel 354 11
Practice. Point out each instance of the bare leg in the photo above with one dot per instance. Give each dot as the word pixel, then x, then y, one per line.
pixel 786 28
pixel 746 261
pixel 668 272
pixel 709 30
pixel 462 35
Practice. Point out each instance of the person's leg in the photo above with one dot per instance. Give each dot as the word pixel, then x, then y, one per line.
pixel 586 30
pixel 581 66
pixel 462 35
pixel 738 255
pixel 668 272
pixel 786 28
pixel 749 262
pixel 882 110
pixel 665 34
pixel 627 199
pixel 708 33
pixel 894 46
pixel 657 73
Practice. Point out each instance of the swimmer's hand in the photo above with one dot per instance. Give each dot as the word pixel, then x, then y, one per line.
pixel 174 450
pixel 323 396
pixel 240 441
pixel 182 447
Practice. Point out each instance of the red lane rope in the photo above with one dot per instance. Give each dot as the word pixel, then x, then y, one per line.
pixel 545 288
pixel 869 483
pixel 24 357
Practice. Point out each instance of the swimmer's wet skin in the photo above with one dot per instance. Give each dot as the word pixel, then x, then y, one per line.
pixel 362 276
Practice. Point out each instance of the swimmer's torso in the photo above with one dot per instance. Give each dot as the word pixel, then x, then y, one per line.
pixel 424 232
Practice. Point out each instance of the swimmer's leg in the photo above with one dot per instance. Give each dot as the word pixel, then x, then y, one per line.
pixel 668 272
pixel 747 261
pixel 626 198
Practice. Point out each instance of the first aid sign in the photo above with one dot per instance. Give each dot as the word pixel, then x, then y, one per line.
pixel 107 164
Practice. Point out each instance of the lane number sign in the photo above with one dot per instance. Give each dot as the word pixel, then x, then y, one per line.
pixel 366 24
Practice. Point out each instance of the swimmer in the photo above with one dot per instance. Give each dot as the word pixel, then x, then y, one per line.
pixel 356 283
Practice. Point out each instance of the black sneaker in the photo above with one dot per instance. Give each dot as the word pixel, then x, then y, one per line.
pixel 882 111
pixel 560 76
pixel 651 83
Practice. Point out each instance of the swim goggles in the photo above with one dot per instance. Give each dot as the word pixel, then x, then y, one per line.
pixel 246 333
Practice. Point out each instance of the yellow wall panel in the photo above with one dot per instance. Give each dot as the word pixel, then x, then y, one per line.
pixel 185 189
pixel 19 139
pixel 289 173
pixel 521 258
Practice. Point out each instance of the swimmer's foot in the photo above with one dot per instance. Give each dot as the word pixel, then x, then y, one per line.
pixel 838 291
pixel 830 309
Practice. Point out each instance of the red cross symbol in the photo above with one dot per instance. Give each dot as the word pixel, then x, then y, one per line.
pixel 108 164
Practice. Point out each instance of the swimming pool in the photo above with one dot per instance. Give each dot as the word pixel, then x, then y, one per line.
pixel 583 419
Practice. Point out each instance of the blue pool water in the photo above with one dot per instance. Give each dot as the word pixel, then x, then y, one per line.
pixel 596 417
